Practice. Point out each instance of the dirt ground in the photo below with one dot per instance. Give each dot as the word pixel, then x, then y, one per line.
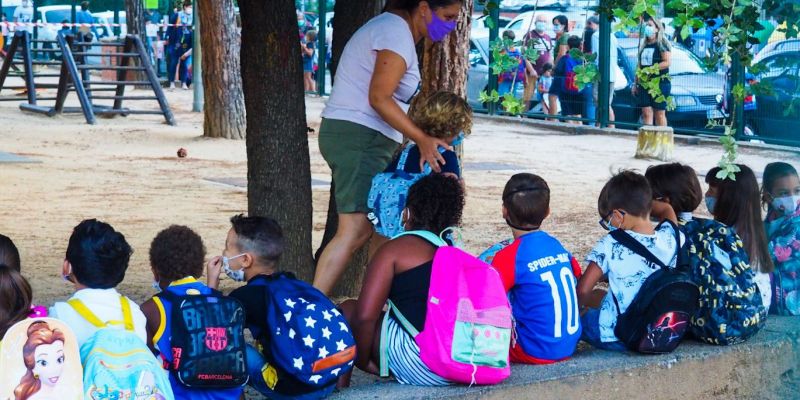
pixel 125 171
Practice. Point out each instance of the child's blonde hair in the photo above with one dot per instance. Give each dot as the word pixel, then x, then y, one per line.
pixel 442 115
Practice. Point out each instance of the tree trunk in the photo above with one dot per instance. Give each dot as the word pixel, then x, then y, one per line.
pixel 134 21
pixel 222 81
pixel 348 18
pixel 278 165
pixel 445 64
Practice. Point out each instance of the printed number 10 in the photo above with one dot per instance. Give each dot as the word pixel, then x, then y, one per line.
pixel 568 287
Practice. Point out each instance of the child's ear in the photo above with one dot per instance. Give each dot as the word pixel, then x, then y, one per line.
pixel 548 213
pixel 505 212
pixel 66 268
pixel 247 260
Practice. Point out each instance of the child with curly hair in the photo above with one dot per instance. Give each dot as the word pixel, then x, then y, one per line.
pixel 400 272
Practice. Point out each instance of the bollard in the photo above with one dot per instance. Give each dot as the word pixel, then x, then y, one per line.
pixel 656 142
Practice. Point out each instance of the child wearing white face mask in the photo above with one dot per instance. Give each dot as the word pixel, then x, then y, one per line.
pixel 252 250
pixel 780 193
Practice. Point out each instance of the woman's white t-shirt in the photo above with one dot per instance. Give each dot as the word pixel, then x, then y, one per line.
pixel 349 99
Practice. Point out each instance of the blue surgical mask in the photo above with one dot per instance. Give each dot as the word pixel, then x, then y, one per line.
pixel 786 205
pixel 157 286
pixel 459 139
pixel 649 31
pixel 710 203
pixel 557 28
pixel 235 274
pixel 611 227
pixel 541 26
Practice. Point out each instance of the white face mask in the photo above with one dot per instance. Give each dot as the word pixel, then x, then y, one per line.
pixel 238 274
pixel 786 204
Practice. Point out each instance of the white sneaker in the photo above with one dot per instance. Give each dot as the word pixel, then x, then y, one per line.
pixel 172 86
pixel 184 87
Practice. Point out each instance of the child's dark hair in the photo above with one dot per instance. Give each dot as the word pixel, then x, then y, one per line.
pixel 711 177
pixel 261 236
pixel 739 206
pixel 772 173
pixel 574 42
pixel 628 191
pixel 99 255
pixel 177 252
pixel 15 302
pixel 9 254
pixel 509 34
pixel 547 67
pixel 435 203
pixel 526 197
pixel 677 183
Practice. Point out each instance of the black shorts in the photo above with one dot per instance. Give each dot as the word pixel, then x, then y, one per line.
pixel 644 99
pixel 571 103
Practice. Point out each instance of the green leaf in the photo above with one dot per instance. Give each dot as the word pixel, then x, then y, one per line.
pixel 685 32
pixel 489 21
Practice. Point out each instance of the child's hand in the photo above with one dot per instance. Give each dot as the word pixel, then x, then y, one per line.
pixel 213 270
pixel 429 153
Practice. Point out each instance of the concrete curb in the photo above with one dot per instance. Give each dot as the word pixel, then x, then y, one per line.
pixel 755 369
pixel 592 130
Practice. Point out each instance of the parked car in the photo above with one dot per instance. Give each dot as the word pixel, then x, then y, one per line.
pixel 106 18
pixel 696 91
pixel 480 27
pixel 781 71
pixel 478 73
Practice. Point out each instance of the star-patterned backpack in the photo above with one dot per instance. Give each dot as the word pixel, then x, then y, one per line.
pixel 309 338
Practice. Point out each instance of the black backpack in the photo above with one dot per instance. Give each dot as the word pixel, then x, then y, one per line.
pixel 658 316
pixel 208 346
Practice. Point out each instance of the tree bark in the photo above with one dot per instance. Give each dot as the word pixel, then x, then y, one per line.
pixel 224 111
pixel 445 64
pixel 134 21
pixel 348 18
pixel 278 165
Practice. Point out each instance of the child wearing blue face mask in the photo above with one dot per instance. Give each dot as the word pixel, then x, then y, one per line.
pixel 442 115
pixel 626 202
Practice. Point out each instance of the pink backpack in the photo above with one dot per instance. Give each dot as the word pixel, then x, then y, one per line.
pixel 468 324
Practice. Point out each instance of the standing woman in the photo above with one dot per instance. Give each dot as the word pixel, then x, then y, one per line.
pixel 365 119
pixel 654 50
pixel 561 28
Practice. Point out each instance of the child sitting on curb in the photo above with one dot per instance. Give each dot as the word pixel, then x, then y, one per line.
pixel 539 276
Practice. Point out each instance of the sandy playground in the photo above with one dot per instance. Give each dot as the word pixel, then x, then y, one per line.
pixel 125 171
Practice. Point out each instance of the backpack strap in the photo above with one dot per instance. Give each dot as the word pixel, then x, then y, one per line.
pixel 383 350
pixel 90 317
pixel 427 235
pixel 633 245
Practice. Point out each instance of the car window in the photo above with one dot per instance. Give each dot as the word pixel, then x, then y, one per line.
pixel 475 56
pixel 516 25
pixel 58 16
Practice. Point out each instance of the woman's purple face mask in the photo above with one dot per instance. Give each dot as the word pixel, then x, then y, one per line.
pixel 440 26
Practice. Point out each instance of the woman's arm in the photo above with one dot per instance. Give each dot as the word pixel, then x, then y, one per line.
pixel 666 57
pixel 389 70
pixel 587 295
pixel 374 292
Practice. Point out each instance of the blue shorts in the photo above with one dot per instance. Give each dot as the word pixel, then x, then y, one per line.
pixel 256 363
pixel 591 332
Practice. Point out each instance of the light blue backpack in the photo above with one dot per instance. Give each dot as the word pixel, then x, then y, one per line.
pixel 117 364
pixel 387 196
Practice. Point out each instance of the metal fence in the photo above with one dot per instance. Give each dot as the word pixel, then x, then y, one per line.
pixel 700 89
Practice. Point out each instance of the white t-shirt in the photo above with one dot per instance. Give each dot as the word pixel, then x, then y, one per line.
pixel 23 15
pixel 349 99
pixel 105 304
pixel 627 271
pixel 764 285
pixel 612 54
